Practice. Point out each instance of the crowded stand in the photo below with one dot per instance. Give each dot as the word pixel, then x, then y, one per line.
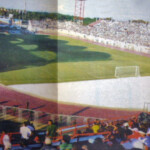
pixel 126 32
pixel 123 34
pixel 131 134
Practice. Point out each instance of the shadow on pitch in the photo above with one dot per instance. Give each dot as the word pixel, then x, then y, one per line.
pixel 27 51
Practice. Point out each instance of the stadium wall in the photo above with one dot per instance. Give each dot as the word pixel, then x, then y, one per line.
pixel 121 93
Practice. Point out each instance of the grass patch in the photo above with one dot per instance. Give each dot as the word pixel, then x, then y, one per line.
pixel 45 59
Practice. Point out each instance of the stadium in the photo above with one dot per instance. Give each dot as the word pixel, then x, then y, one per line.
pixel 92 81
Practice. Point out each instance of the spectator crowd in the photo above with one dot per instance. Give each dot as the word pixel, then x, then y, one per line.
pixel 123 31
pixel 131 134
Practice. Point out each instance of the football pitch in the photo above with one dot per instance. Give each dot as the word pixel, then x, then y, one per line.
pixel 51 59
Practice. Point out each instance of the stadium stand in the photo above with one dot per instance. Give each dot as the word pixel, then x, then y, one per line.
pixel 87 126
pixel 123 34
pixel 127 35
pixel 133 133
pixel 110 130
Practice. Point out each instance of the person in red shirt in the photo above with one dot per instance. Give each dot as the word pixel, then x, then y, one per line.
pixel 1 139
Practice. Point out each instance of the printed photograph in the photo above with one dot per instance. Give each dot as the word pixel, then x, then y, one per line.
pixel 74 75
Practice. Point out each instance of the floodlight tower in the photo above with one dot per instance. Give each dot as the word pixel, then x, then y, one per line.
pixel 79 10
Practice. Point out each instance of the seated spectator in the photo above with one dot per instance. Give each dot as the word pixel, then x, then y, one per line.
pixel 142 127
pixel 66 143
pixel 48 144
pixel 37 139
pixel 98 144
pixel 85 147
pixel 147 140
pixel 88 130
pixel 30 126
pixel 127 130
pixel 96 127
pixel 97 121
pixel 103 126
pixel 32 129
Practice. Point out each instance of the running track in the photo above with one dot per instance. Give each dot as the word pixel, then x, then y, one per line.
pixel 10 97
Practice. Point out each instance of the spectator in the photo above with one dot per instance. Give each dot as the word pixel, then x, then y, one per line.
pixel 85 147
pixel 6 141
pixel 51 129
pixel 88 129
pixel 1 139
pixel 122 31
pixel 147 140
pixel 25 134
pixel 66 143
pixel 32 129
pixel 95 127
pixel 37 139
pixel 30 126
pixel 48 144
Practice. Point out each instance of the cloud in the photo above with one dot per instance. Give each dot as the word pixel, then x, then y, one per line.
pixel 66 6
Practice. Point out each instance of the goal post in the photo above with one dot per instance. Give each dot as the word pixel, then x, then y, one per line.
pixel 146 107
pixel 127 71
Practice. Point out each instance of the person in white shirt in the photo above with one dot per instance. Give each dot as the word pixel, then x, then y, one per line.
pixel 6 141
pixel 25 134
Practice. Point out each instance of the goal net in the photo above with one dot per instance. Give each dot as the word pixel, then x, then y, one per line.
pixel 127 71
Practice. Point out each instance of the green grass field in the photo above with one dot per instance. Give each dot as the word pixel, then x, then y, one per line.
pixel 45 59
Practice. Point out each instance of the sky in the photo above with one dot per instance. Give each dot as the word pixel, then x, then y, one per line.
pixel 33 5
pixel 117 9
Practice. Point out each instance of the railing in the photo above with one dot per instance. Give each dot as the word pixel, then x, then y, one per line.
pixel 39 117
pixel 56 141
pixel 67 121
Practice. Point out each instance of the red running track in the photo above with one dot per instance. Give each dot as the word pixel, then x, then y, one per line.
pixel 10 97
